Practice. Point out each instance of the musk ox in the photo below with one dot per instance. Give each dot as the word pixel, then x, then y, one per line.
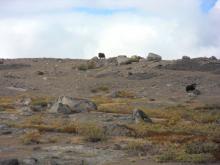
pixel 101 55
pixel 190 88
pixel 1 61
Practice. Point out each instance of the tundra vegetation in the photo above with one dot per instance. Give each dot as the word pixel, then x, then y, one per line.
pixel 179 133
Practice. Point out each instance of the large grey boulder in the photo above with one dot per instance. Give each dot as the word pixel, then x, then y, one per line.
pixel 123 60
pixel 135 58
pixel 139 116
pixel 112 61
pixel 154 57
pixel 69 105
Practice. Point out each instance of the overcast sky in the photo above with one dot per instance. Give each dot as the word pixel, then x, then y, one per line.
pixel 82 28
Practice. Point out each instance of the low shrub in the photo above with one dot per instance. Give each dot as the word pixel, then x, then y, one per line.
pixel 195 158
pixel 91 131
pixel 166 156
pixel 82 67
pixel 42 101
pixel 2 108
pixel 123 94
pixel 34 120
pixel 201 147
pixel 139 146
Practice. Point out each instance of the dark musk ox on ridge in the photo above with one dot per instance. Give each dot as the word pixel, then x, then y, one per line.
pixel 101 55
pixel 1 61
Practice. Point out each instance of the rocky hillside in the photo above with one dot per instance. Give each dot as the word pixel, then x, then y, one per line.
pixel 120 110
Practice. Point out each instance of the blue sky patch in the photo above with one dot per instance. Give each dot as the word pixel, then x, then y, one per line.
pixel 96 11
pixel 207 5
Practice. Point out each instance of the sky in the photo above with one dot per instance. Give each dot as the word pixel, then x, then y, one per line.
pixel 83 28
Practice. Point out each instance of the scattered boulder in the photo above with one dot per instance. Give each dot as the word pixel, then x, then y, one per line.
pixel 30 161
pixel 95 59
pixel 154 57
pixel 4 129
pixel 101 55
pixel 123 60
pixel 135 58
pixel 139 116
pixel 112 61
pixel 69 105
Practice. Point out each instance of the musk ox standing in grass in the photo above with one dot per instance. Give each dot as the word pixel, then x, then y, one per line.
pixel 101 55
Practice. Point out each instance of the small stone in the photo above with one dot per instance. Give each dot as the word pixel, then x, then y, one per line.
pixel 117 147
pixel 140 116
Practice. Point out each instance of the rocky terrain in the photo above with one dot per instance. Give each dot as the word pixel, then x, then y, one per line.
pixel 109 111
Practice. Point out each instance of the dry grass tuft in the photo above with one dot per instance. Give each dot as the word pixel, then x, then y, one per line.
pixel 139 146
pixel 31 137
pixel 124 94
pixel 119 108
pixel 91 131
pixel 100 89
pixel 174 153
pixel 43 101
pixel 86 66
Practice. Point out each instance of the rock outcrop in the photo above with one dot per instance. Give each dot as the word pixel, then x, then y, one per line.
pixel 69 105
pixel 123 60
pixel 154 57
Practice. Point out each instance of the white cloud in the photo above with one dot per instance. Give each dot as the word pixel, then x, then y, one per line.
pixel 45 28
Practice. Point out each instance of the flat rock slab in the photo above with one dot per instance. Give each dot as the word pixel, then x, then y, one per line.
pixel 17 89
